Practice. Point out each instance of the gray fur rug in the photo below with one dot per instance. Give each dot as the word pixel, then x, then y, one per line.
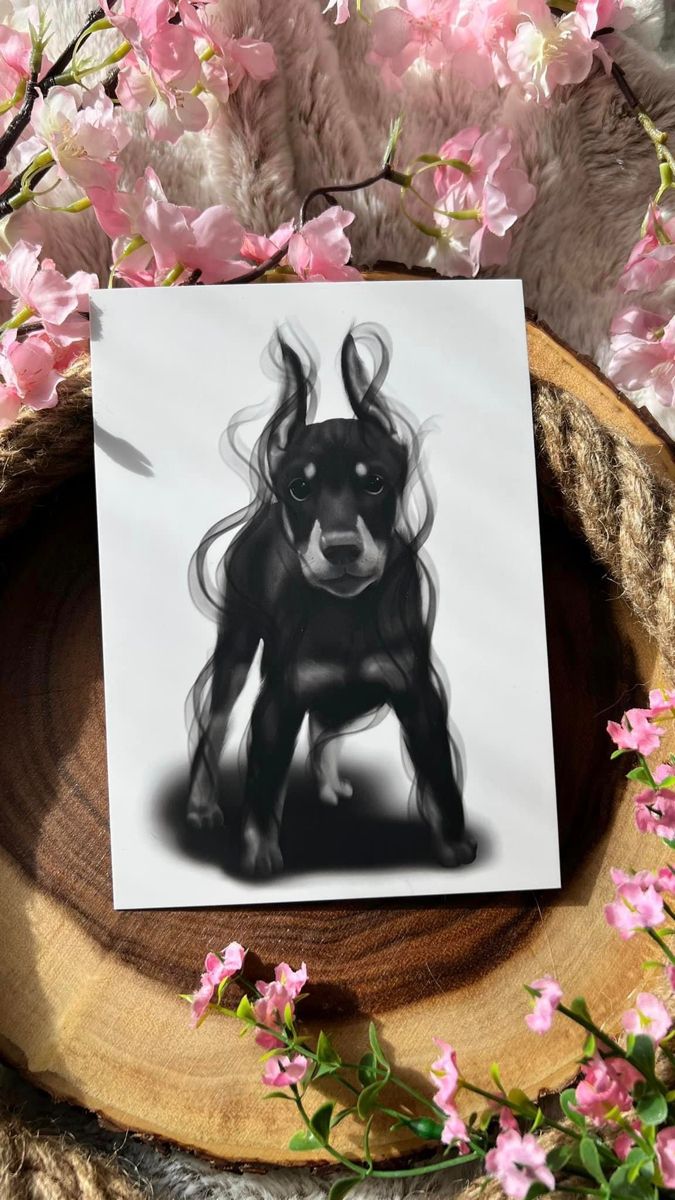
pixel 574 304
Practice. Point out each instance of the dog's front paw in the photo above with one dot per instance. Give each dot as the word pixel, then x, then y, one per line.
pixel 203 812
pixel 332 792
pixel 261 853
pixel 457 853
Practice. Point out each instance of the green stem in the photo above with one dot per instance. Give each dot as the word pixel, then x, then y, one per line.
pixel 346 1162
pixel 23 315
pixel 591 1027
pixel 660 942
pixel 504 1102
pixel 410 1172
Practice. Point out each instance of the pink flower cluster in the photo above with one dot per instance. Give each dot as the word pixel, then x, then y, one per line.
pixel 217 969
pixel 636 730
pixel 445 1078
pixel 545 1004
pixel 639 900
pixel 276 1004
pixel 513 43
pixel 517 1160
pixel 607 1083
pixel 31 365
pixel 318 252
pixel 477 202
pixel 649 1017
pixel 643 335
pixel 179 51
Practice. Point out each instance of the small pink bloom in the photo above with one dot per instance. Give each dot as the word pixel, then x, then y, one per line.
pixel 638 905
pixel 259 248
pixel 39 287
pixel 217 967
pixel 661 701
pixel 454 1130
pixel 169 111
pixel 83 141
pixel 635 732
pixel 321 249
pixel 445 1076
pixel 292 981
pixel 670 975
pixel 518 1161
pixel 507 1120
pixel 270 1010
pixel 650 1017
pixel 411 30
pixel 341 10
pixel 655 810
pixel 284 1071
pixel 652 259
pixel 28 369
pixel 545 54
pixel 607 1084
pixel 665 1153
pixel 643 353
pixel 623 1143
pixel 539 1021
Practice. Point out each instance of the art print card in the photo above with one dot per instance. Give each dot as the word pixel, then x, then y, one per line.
pixel 323 624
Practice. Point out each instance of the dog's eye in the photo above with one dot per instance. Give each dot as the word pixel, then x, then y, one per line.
pixel 373 485
pixel 299 489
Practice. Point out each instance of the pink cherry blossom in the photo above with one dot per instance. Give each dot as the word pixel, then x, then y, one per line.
pixel 550 995
pixel 170 111
pixel 292 981
pixel 259 248
pixel 643 353
pixel 206 241
pixel 594 15
pixel 494 187
pixel 635 732
pixel 545 54
pixel 655 810
pixel 83 140
pixel 445 1076
pixel 270 1010
pixel 518 1161
pixel 407 31
pixel 28 369
pixel 665 1153
pixel 341 10
pixel 217 967
pixel 234 57
pixel 40 288
pixel 285 1071
pixel 639 904
pixel 649 1016
pixel 607 1084
pixel 321 249
pixel 652 259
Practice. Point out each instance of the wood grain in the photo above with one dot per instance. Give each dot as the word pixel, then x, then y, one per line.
pixel 89 998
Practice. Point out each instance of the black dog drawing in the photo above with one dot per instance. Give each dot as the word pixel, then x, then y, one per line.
pixel 326 573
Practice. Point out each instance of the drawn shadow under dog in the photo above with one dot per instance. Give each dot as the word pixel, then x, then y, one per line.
pixel 360 831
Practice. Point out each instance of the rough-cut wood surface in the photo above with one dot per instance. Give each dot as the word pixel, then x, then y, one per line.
pixel 88 997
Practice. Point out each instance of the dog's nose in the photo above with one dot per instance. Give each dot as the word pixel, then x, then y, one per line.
pixel 341 548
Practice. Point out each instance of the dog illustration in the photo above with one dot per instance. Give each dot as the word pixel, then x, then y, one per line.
pixel 326 573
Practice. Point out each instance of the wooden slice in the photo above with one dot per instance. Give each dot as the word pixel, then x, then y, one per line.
pixel 89 1002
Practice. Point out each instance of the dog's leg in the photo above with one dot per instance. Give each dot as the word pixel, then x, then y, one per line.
pixel 325 754
pixel 275 725
pixel 229 677
pixel 423 717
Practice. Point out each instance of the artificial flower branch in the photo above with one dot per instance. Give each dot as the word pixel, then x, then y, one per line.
pixel 616 1130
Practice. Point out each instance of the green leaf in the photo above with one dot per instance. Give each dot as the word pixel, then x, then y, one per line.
pixel 329 1059
pixel 368 1099
pixel 432 159
pixel 522 1103
pixel 538 1120
pixel 640 774
pixel 618 753
pixel 288 1016
pixel 536 1189
pixel 588 1153
pixel 321 1120
pixel 245 1010
pixel 652 1108
pixel 342 1186
pixel 277 1096
pixel 557 1158
pixel 367 1069
pixel 304 1139
pixel 590 1046
pixel 641 1054
pixel 580 1008
pixel 496 1078
pixel 375 1045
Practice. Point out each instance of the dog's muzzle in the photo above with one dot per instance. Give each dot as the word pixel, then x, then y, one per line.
pixel 341 548
pixel 343 562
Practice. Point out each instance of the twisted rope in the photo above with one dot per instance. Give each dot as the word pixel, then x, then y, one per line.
pixel 36 1166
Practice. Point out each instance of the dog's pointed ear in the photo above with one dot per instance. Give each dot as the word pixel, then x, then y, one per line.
pixel 290 415
pixel 363 385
